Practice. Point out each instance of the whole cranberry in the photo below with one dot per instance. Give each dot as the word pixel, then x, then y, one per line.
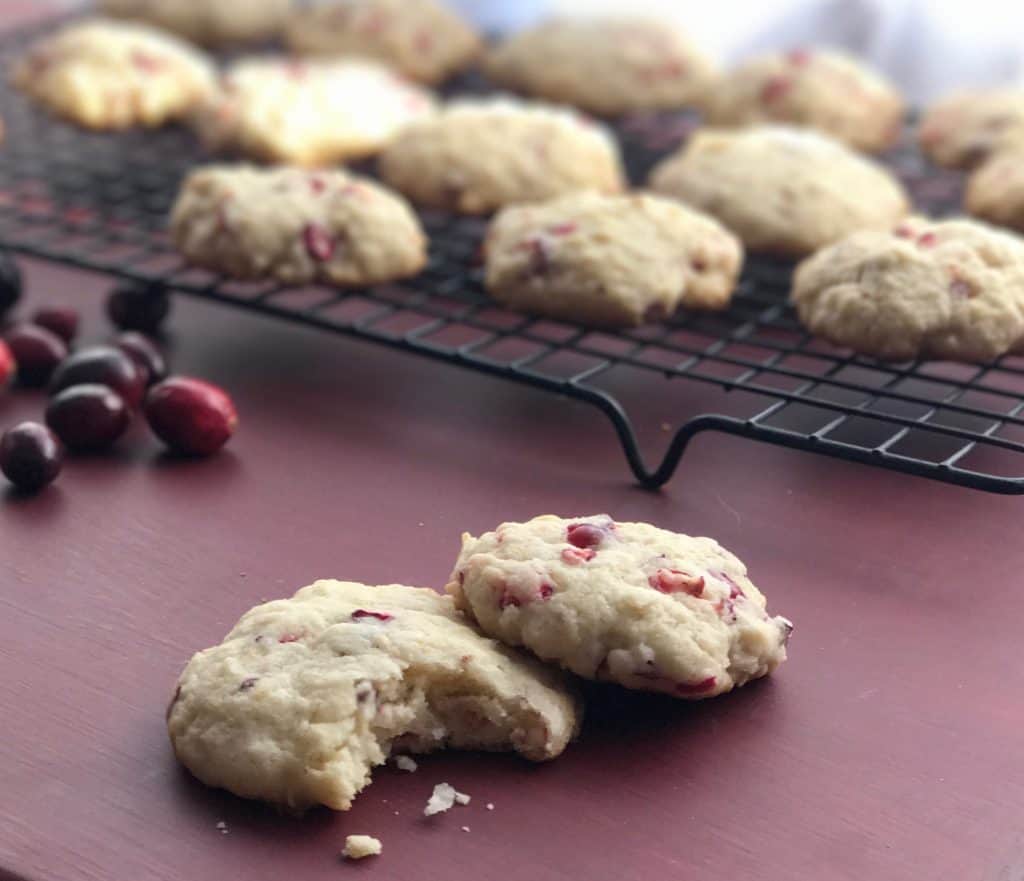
pixel 37 352
pixel 8 366
pixel 133 306
pixel 10 283
pixel 190 416
pixel 88 417
pixel 62 320
pixel 145 354
pixel 105 365
pixel 30 456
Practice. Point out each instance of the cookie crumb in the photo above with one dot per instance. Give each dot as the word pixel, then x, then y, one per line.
pixel 490 806
pixel 358 847
pixel 442 799
pixel 222 827
pixel 405 763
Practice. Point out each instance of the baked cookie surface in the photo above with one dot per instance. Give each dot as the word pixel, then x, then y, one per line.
pixel 480 154
pixel 296 226
pixel 609 260
pixel 950 289
pixel 308 112
pixel 306 695
pixel 626 602
pixel 995 190
pixel 782 190
pixel 207 22
pixel 422 39
pixel 964 128
pixel 821 89
pixel 604 66
pixel 105 74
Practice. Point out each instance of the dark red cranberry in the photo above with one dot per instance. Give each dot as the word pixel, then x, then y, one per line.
pixel 138 307
pixel 10 283
pixel 8 366
pixel 105 365
pixel 366 613
pixel 145 354
pixel 585 535
pixel 88 417
pixel 37 352
pixel 190 416
pixel 62 320
pixel 30 456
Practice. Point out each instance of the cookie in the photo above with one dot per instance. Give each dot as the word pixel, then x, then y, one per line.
pixel 609 260
pixel 480 154
pixel 605 66
pixel 964 128
pixel 819 89
pixel 995 190
pixel 306 695
pixel 296 226
pixel 308 112
pixel 114 75
pixel 223 22
pixel 625 602
pixel 422 39
pixel 782 190
pixel 951 289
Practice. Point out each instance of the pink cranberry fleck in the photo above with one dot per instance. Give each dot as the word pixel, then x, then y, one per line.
pixel 317 184
pixel 578 556
pixel 507 599
pixel 546 590
pixel 775 88
pixel 289 637
pixel 903 231
pixel 696 687
pixel 146 62
pixel 563 229
pixel 926 240
pixel 798 57
pixel 676 581
pixel 318 242
pixel 585 535
pixel 366 613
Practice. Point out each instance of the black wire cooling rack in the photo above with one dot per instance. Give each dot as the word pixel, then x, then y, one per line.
pixel 100 201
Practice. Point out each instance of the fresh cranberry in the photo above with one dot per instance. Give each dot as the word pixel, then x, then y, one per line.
pixel 8 366
pixel 585 535
pixel 366 613
pixel 37 352
pixel 676 581
pixel 190 416
pixel 696 687
pixel 318 242
pixel 138 307
pixel 30 456
pixel 10 283
pixel 144 353
pixel 578 556
pixel 104 365
pixel 88 417
pixel 62 320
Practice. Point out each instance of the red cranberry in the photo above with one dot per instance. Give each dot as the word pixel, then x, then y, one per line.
pixel 145 354
pixel 675 581
pixel 775 88
pixel 62 320
pixel 704 685
pixel 88 417
pixel 30 456
pixel 366 613
pixel 318 242
pixel 190 416
pixel 289 637
pixel 10 283
pixel 138 307
pixel 37 352
pixel 104 365
pixel 578 556
pixel 8 367
pixel 585 535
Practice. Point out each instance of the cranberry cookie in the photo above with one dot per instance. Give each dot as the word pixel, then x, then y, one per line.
pixel 995 190
pixel 964 128
pixel 306 695
pixel 480 154
pixel 115 75
pixel 605 66
pixel 296 226
pixel 820 89
pixel 610 260
pixel 951 289
pixel 782 190
pixel 420 38
pixel 207 22
pixel 627 602
pixel 309 112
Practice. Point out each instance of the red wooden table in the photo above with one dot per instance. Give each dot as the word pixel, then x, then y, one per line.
pixel 886 749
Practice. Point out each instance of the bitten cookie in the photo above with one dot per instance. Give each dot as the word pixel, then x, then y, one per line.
pixel 610 260
pixel 478 155
pixel 306 695
pixel 422 39
pixel 820 89
pixel 207 22
pixel 296 226
pixel 964 128
pixel 627 602
pixel 782 190
pixel 309 112
pixel 951 289
pixel 995 190
pixel 605 66
pixel 114 75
